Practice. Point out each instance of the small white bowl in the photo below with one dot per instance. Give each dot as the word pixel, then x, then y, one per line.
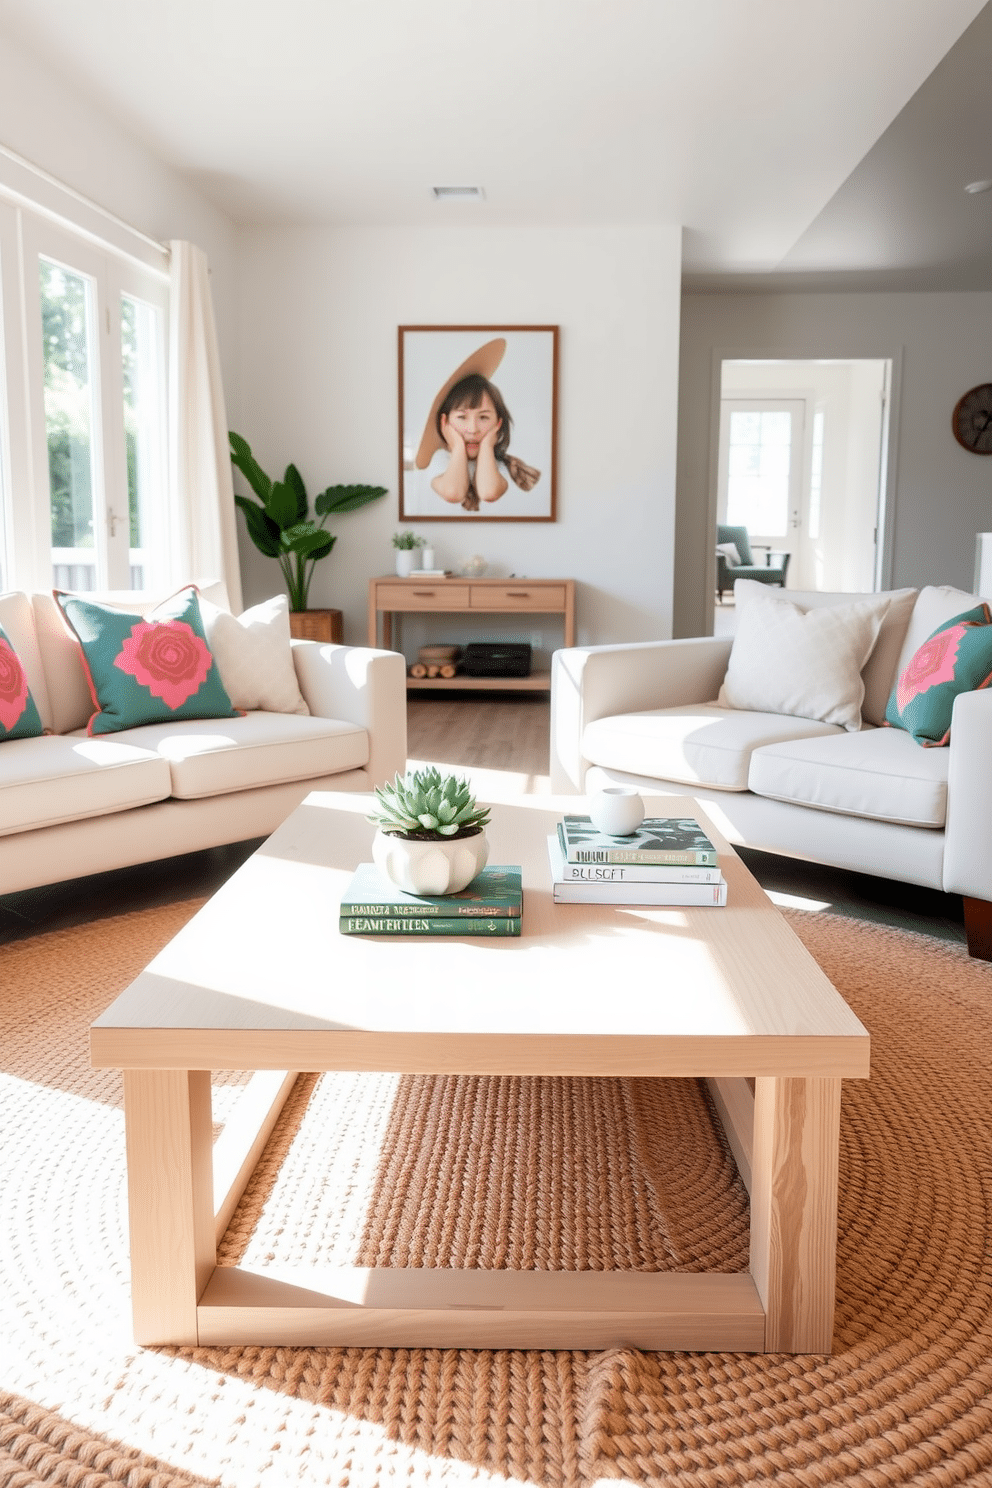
pixel 617 810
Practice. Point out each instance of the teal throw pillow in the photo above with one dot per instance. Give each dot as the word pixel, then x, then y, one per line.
pixel 19 717
pixel 956 658
pixel 151 668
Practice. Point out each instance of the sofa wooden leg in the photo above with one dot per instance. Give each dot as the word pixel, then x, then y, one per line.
pixel 978 927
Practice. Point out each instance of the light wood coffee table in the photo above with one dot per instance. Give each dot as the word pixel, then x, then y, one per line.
pixel 261 980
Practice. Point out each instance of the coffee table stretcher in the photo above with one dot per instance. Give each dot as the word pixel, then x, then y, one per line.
pixel 784 1137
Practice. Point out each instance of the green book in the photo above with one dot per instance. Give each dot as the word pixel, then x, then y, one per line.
pixel 364 924
pixel 659 839
pixel 495 893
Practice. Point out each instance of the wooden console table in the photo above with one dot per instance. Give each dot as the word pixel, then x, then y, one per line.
pixel 391 596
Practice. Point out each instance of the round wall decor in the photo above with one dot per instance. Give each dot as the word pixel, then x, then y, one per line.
pixel 972 420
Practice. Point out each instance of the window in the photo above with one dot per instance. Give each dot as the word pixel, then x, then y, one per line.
pixel 142 360
pixel 66 337
pixel 758 470
pixel 85 358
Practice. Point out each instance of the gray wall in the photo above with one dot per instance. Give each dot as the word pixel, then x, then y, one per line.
pixel 941 345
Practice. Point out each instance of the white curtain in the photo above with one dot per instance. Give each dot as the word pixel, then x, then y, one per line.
pixel 202 491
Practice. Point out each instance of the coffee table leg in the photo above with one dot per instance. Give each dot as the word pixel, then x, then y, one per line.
pixel 170 1200
pixel 794 1210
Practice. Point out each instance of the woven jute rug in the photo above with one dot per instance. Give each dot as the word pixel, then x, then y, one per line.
pixel 507 1172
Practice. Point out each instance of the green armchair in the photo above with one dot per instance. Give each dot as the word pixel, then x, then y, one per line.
pixel 763 573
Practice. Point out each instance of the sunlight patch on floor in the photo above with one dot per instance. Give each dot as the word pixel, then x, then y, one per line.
pixel 797 901
pixel 492 785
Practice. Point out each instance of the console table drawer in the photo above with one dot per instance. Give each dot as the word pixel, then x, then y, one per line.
pixel 537 597
pixel 414 596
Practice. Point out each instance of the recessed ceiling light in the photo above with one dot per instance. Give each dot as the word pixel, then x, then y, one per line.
pixel 977 186
pixel 465 193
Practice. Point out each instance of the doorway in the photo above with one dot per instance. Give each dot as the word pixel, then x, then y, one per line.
pixel 801 465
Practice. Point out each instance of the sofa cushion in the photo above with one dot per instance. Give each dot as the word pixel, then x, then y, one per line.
pixel 878 773
pixel 17 620
pixel 804 663
pixel 69 702
pixel 209 757
pixel 957 658
pixel 879 671
pixel 146 669
pixel 62 778
pixel 19 718
pixel 704 744
pixel 254 655
pixel 935 605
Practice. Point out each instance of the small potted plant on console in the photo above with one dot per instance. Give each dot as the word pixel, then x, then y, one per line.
pixel 406 545
pixel 431 837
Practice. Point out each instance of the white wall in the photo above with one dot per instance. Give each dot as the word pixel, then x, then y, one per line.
pixel 940 344
pixel 318 351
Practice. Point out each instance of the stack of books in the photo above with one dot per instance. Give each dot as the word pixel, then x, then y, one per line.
pixel 669 860
pixel 491 905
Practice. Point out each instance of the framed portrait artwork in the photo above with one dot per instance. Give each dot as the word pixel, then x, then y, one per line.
pixel 478 423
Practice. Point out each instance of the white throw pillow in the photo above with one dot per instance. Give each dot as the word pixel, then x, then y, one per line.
pixel 806 664
pixel 254 656
pixel 730 553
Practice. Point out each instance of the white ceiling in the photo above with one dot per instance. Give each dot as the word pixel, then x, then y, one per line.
pixel 761 127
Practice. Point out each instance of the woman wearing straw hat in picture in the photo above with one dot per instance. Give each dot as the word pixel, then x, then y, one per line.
pixel 467 435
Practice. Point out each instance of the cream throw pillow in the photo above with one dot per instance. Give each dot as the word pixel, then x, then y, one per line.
pixel 254 656
pixel 806 664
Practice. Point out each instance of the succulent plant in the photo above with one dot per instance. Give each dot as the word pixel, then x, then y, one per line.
pixel 426 805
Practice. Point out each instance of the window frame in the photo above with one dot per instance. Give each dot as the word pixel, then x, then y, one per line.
pixel 25 237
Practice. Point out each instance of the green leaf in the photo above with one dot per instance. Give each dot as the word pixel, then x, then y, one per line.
pixel 281 506
pixel 243 460
pixel 263 533
pixel 294 481
pixel 307 541
pixel 346 498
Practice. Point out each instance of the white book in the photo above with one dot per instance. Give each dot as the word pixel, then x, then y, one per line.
pixel 585 891
pixel 637 873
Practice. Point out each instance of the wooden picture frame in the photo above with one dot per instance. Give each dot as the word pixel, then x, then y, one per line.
pixel 513 477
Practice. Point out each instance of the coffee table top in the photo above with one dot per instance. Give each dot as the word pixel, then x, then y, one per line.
pixel 261 977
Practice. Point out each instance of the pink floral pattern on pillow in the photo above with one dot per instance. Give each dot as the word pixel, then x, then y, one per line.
pixel 932 664
pixel 167 657
pixel 13 686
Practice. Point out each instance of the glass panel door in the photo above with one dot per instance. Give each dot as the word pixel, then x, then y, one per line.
pixel 67 316
pixel 142 332
pixel 760 472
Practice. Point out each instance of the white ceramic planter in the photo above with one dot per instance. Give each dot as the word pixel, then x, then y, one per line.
pixel 616 810
pixel 430 867
pixel 407 559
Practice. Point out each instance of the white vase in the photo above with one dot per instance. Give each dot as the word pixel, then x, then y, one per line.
pixel 407 561
pixel 617 810
pixel 441 867
pixel 427 558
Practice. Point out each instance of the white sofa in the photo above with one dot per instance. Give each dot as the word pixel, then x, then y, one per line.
pixel 870 800
pixel 71 805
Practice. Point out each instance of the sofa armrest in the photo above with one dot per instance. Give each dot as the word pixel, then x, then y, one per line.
pixel 357 684
pixel 589 682
pixel 968 839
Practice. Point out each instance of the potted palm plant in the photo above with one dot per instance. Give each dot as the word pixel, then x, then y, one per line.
pixel 280 525
pixel 431 837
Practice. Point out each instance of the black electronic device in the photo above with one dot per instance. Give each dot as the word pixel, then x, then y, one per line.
pixel 496 659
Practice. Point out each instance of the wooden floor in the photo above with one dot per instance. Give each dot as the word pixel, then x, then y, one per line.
pixel 501 741
pixel 503 732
